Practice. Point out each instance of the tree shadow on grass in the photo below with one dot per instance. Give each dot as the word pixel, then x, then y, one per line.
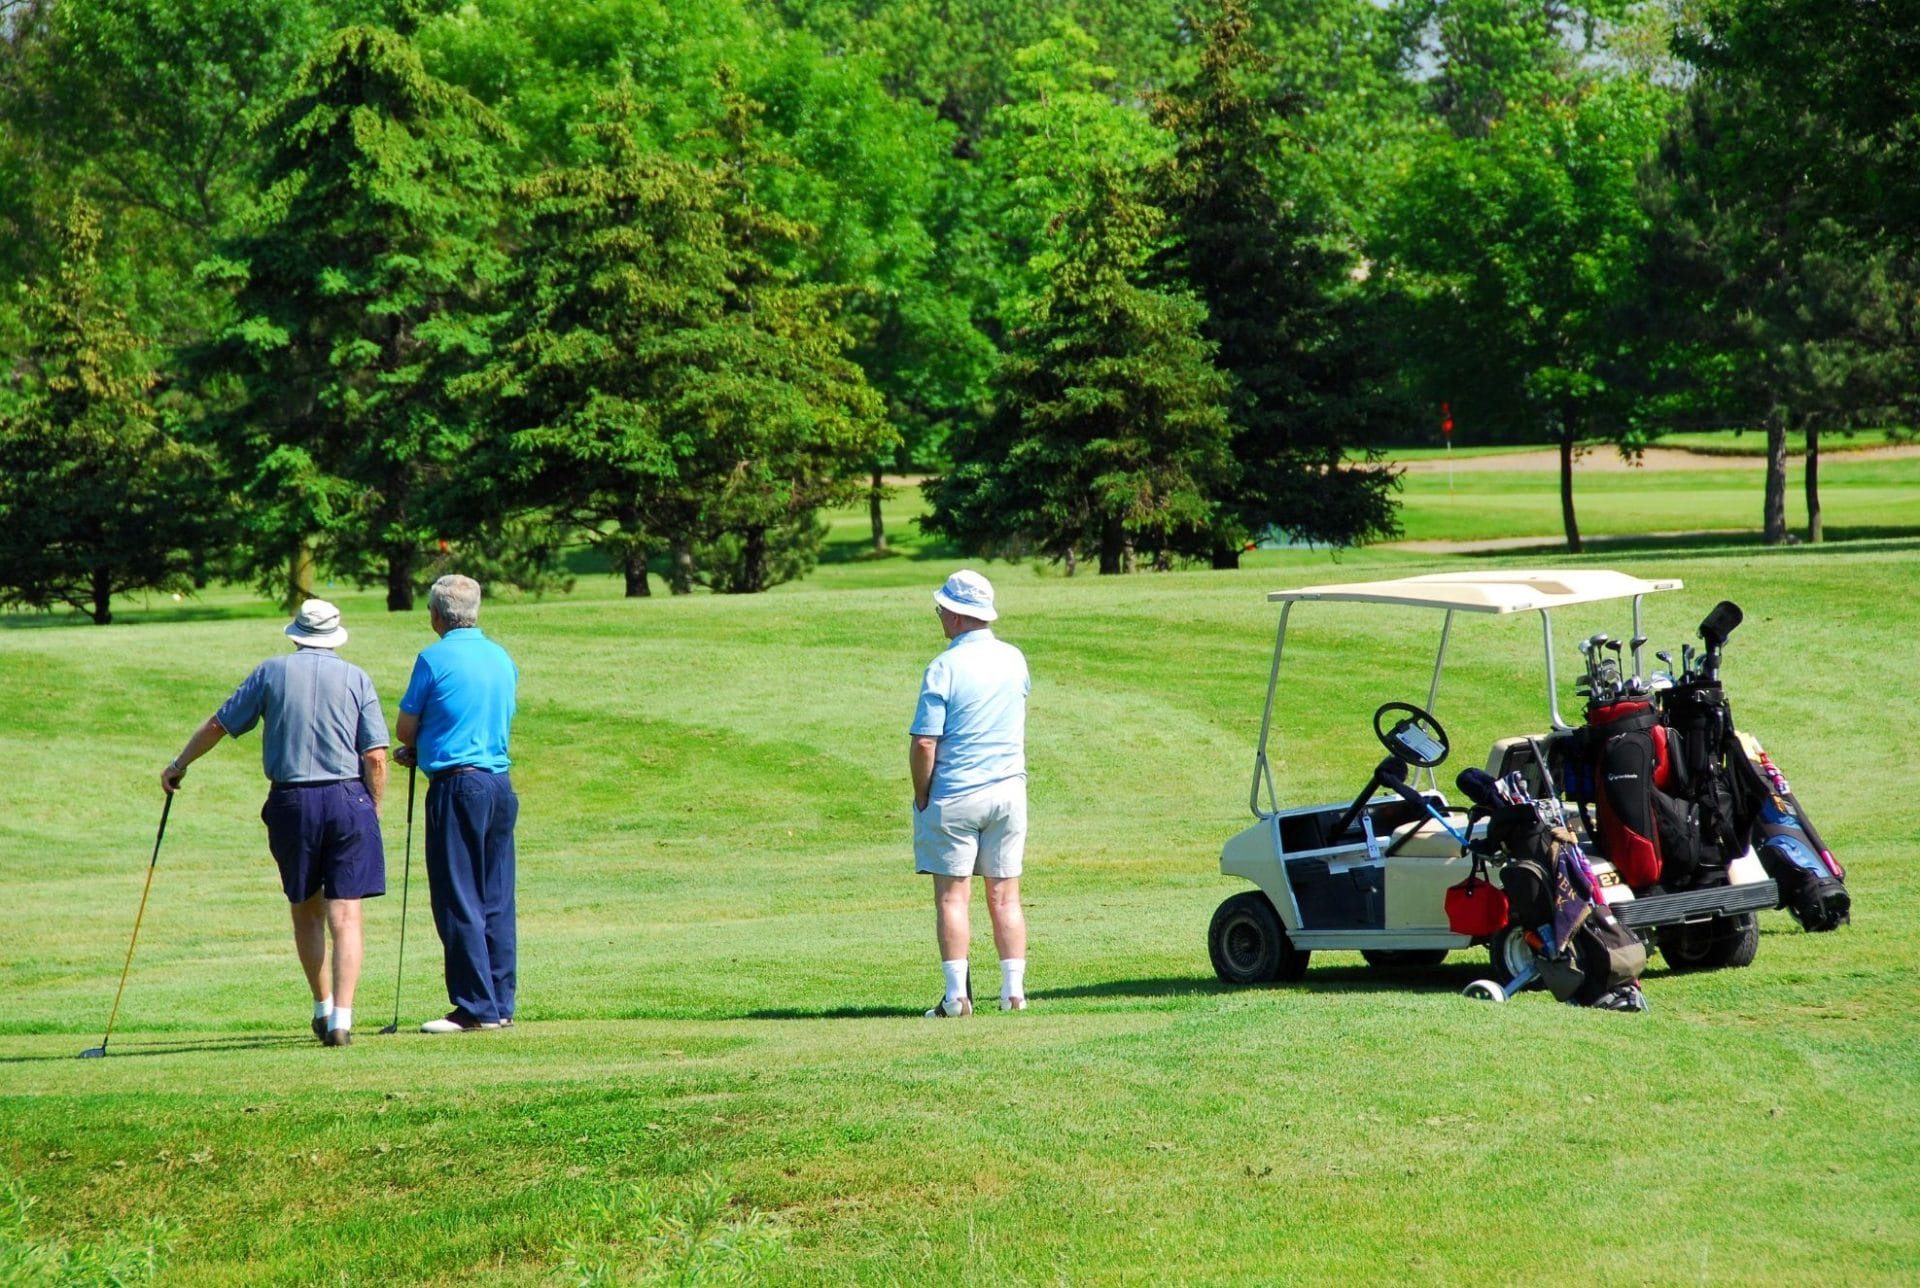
pixel 178 1046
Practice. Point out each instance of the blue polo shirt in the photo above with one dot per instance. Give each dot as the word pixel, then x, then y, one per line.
pixel 974 700
pixel 321 711
pixel 463 690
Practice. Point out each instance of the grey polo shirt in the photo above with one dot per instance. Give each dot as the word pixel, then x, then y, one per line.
pixel 321 712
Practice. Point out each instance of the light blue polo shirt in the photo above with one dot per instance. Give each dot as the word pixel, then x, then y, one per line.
pixel 974 700
pixel 321 711
pixel 463 690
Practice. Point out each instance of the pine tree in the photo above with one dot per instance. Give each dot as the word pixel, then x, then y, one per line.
pixel 96 499
pixel 1308 380
pixel 356 282
pixel 1109 433
pixel 666 384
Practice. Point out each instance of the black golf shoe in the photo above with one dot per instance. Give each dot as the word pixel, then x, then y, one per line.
pixel 320 1027
pixel 338 1037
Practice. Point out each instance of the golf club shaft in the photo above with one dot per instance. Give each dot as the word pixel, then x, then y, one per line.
pixel 406 886
pixel 126 966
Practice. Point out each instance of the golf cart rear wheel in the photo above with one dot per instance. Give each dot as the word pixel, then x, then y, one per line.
pixel 1403 958
pixel 1510 953
pixel 1249 945
pixel 1725 943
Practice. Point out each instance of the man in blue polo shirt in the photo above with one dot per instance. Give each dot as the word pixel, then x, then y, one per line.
pixel 324 750
pixel 455 719
pixel 967 753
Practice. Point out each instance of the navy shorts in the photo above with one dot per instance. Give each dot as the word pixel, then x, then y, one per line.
pixel 326 839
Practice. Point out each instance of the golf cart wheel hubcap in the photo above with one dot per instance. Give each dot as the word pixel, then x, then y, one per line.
pixel 1244 943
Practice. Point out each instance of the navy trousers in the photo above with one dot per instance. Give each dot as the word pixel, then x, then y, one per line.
pixel 470 820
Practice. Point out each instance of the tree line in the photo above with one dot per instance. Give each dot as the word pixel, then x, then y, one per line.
pixel 357 288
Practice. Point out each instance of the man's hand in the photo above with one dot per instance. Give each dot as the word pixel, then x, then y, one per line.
pixel 405 756
pixel 170 777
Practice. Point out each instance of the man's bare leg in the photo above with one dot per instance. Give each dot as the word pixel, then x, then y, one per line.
pixel 1009 937
pixel 953 929
pixel 343 919
pixel 310 941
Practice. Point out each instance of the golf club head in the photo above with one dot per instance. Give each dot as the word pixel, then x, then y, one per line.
pixel 391 1028
pixel 93 1053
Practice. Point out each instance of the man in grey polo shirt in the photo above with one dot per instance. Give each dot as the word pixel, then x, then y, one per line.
pixel 967 753
pixel 324 750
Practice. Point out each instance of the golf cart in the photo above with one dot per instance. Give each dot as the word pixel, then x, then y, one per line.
pixel 1372 874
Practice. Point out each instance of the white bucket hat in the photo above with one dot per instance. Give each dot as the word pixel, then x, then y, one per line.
pixel 317 626
pixel 968 594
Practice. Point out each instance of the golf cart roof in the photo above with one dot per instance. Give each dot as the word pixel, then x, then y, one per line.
pixel 1486 592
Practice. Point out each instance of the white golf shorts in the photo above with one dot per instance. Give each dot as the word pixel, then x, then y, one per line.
pixel 983 833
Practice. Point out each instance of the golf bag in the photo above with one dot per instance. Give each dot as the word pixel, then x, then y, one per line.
pixel 1742 799
pixel 1551 890
pixel 1632 765
pixel 1812 882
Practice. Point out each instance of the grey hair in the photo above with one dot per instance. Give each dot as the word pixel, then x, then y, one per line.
pixel 456 599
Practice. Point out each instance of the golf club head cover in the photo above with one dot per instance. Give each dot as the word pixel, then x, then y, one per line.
pixel 1477 785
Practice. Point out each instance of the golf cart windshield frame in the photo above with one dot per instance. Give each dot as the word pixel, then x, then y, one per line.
pixel 1500 594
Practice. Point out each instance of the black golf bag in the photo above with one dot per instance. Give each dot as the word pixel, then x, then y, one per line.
pixel 1632 764
pixel 1551 892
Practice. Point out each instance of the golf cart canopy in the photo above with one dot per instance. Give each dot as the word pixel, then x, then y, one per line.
pixel 1523 591
pixel 1475 592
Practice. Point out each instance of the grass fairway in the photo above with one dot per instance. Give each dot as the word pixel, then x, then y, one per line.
pixel 720 1075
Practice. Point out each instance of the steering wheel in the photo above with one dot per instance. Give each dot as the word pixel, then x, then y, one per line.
pixel 1416 737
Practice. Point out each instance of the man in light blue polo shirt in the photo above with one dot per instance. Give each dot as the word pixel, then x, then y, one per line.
pixel 967 754
pixel 455 720
pixel 324 750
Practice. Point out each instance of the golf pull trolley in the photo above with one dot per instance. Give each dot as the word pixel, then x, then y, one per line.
pixel 1373 874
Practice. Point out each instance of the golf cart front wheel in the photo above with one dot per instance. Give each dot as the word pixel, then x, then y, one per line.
pixel 1725 943
pixel 1249 945
pixel 1511 955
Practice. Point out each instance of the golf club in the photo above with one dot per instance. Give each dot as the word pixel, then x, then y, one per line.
pixel 406 883
pixel 99 1052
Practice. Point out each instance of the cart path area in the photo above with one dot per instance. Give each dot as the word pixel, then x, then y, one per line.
pixel 1608 460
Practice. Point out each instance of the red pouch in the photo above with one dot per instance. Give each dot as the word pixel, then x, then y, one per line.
pixel 1476 907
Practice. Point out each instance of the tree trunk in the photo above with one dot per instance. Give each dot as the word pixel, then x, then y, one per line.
pixel 874 497
pixel 634 567
pixel 633 552
pixel 1567 517
pixel 680 579
pixel 1773 510
pixel 753 562
pixel 102 596
pixel 1113 540
pixel 400 579
pixel 1815 534
pixel 1129 561
pixel 299 576
pixel 1225 557
pixel 1073 561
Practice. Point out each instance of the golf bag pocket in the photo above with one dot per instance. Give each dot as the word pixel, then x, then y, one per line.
pixel 1528 891
pixel 1600 957
pixel 1475 907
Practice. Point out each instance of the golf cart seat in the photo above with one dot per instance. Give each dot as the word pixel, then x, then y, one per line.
pixel 1511 754
pixel 1425 838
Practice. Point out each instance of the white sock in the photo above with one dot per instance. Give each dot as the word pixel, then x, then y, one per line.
pixel 323 1008
pixel 956 973
pixel 342 1018
pixel 1013 977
